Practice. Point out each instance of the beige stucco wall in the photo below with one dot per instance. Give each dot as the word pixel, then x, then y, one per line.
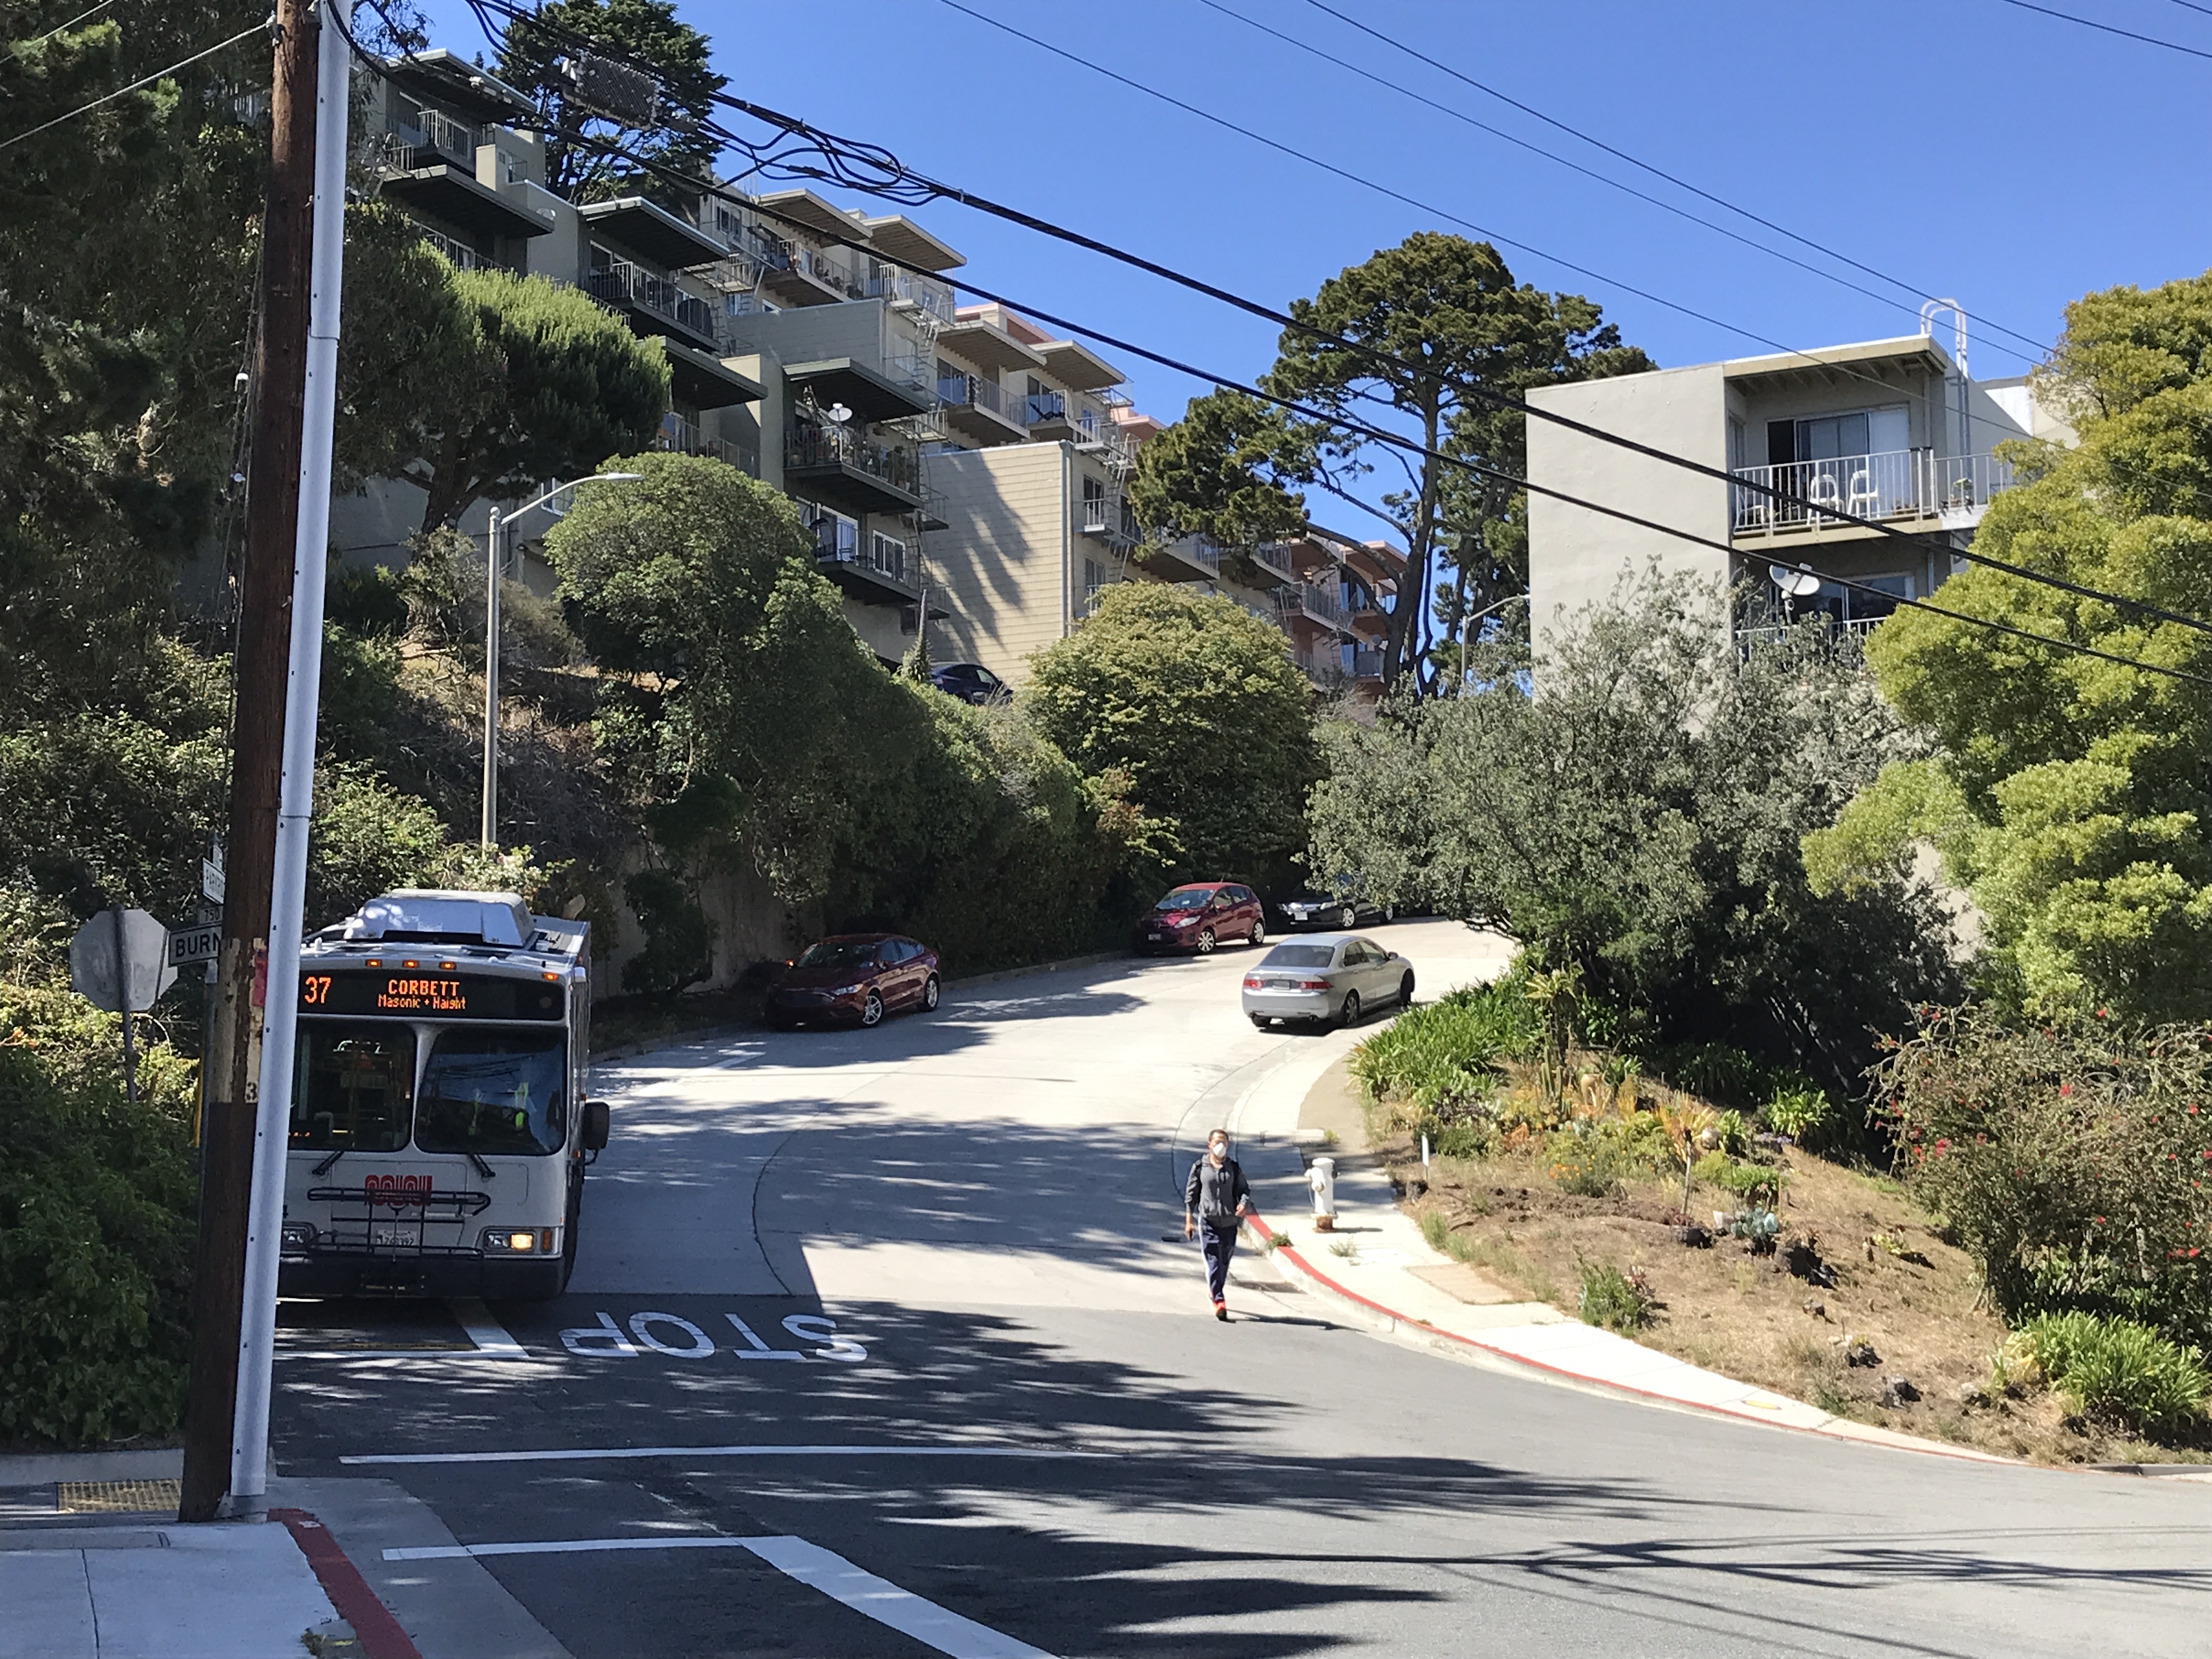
pixel 1001 566
pixel 1576 557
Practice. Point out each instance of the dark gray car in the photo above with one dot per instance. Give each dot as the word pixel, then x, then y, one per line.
pixel 1330 979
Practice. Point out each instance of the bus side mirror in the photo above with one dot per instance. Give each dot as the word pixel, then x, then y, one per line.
pixel 596 1125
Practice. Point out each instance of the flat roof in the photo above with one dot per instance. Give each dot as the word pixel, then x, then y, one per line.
pixel 825 218
pixel 902 241
pixel 1905 348
pixel 441 74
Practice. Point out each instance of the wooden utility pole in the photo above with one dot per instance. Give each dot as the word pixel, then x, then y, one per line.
pixel 264 604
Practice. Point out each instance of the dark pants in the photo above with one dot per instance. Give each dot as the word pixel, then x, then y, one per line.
pixel 1219 1244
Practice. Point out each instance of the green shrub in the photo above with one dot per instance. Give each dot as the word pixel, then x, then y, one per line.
pixel 1612 1299
pixel 1805 1114
pixel 1593 1157
pixel 1440 1056
pixel 2117 1370
pixel 1436 1230
pixel 1755 1184
pixel 2068 1161
pixel 96 1218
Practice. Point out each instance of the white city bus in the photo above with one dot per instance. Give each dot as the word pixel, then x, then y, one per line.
pixel 439 1131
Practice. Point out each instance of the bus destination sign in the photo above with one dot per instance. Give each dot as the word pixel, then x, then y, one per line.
pixel 353 990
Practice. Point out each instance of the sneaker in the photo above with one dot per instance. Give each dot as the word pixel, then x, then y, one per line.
pixel 1221 1311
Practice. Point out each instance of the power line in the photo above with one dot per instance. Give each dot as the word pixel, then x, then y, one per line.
pixel 1481 469
pixel 2110 28
pixel 20 47
pixel 877 157
pixel 110 97
pixel 1399 196
pixel 1396 45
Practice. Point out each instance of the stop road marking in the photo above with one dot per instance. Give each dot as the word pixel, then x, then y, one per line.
pixel 606 1339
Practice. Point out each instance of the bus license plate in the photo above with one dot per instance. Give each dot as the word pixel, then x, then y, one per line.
pixel 395 1235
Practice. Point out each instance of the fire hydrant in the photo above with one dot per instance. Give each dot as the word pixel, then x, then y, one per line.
pixel 1320 1176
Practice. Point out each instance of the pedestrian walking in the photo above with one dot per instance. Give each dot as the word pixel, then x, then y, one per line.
pixel 1216 1198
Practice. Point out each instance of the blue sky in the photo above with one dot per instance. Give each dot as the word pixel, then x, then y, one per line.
pixel 1969 147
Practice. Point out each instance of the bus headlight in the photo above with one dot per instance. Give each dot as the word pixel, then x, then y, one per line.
pixel 296 1235
pixel 517 1240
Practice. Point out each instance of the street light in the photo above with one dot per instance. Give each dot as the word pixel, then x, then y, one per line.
pixel 1468 622
pixel 495 556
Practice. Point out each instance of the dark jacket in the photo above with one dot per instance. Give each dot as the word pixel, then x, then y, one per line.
pixel 1212 1194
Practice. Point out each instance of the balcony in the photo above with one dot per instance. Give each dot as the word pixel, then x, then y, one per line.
pixel 802 276
pixel 424 137
pixel 1309 600
pixel 1056 417
pixel 652 299
pixel 874 569
pixel 980 409
pixel 1105 519
pixel 1275 557
pixel 1897 484
pixel 855 471
pixel 680 436
pixel 460 254
pixel 907 291
pixel 1176 560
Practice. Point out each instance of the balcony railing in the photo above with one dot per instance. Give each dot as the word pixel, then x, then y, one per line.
pixel 904 287
pixel 1094 426
pixel 432 135
pixel 973 392
pixel 1276 557
pixel 680 436
pixel 1367 664
pixel 463 256
pixel 819 446
pixel 619 283
pixel 1897 484
pixel 1309 599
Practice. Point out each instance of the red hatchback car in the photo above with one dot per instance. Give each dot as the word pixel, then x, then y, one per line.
pixel 854 979
pixel 1200 915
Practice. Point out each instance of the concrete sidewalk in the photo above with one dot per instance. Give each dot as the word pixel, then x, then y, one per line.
pixel 90 1569
pixel 1379 1270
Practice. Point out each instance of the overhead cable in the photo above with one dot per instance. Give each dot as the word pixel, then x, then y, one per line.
pixel 1812 509
pixel 1396 45
pixel 143 81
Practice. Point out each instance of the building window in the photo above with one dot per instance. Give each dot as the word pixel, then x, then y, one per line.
pixel 835 536
pixel 1094 578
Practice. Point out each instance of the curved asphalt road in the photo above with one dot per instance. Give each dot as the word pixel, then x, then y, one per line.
pixel 985 1203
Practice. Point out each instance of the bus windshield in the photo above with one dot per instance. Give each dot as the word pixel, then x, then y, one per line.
pixel 353 1086
pixel 494 1092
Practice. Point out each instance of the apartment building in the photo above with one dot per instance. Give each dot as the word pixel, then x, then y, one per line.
pixel 1893 432
pixel 960 462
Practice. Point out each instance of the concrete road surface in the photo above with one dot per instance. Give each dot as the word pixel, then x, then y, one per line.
pixel 885 1343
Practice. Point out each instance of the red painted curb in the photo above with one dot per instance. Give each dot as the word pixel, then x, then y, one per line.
pixel 380 1634
pixel 1731 1415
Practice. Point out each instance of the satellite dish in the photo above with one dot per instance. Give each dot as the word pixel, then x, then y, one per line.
pixel 839 413
pixel 1794 583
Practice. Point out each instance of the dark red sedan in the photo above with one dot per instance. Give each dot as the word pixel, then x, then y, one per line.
pixel 854 979
pixel 1200 915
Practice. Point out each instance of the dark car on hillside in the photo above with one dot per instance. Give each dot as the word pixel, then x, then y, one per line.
pixel 1341 910
pixel 1201 914
pixel 971 682
pixel 854 979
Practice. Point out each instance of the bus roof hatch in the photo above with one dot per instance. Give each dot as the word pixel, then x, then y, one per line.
pixel 432 914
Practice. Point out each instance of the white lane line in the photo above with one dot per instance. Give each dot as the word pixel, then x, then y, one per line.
pixel 562 1546
pixel 887 1604
pixel 487 1333
pixel 879 1599
pixel 593 1454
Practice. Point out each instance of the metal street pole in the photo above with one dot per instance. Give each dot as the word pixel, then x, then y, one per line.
pixel 123 999
pixel 249 1456
pixel 232 1065
pixel 494 552
pixel 495 556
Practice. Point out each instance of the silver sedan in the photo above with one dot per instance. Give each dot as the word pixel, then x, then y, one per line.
pixel 1331 979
